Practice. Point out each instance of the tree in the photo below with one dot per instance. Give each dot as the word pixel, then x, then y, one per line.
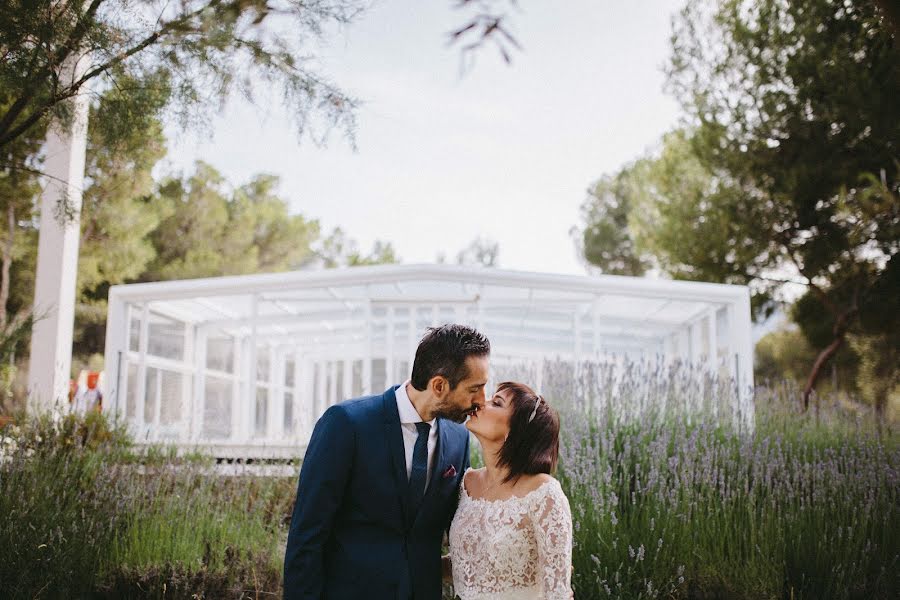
pixel 480 251
pixel 786 354
pixel 125 143
pixel 337 250
pixel 211 230
pixel 199 45
pixel 668 212
pixel 801 170
pixel 605 240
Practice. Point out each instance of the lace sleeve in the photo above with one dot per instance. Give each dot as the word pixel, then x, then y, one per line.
pixel 552 521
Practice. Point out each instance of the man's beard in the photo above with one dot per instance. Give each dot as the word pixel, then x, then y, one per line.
pixel 453 413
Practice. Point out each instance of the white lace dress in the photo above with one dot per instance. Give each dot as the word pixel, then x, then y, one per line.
pixel 513 549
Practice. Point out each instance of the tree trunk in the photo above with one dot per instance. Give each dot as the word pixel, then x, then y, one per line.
pixel 7 261
pixel 821 360
pixel 839 330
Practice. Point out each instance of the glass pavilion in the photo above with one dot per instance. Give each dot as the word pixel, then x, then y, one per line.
pixel 243 366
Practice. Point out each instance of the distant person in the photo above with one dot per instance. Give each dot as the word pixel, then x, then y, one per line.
pixel 89 398
pixel 380 480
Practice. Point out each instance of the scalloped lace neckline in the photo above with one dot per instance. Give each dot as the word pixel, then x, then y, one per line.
pixel 501 500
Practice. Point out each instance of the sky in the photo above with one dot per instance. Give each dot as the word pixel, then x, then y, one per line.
pixel 443 156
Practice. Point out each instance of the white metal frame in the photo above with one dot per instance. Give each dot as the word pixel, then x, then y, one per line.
pixel 335 324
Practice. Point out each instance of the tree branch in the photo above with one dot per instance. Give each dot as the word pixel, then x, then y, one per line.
pixel 41 110
pixel 68 47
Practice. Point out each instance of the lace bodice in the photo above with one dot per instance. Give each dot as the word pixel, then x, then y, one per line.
pixel 514 549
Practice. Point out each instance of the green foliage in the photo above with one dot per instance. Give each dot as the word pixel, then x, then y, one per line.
pixel 337 250
pixel 210 230
pixel 785 354
pixel 85 516
pixel 783 175
pixel 606 240
pixel 480 251
pixel 197 46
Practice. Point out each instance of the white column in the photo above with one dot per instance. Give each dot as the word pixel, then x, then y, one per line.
pixel 57 258
pixel 115 357
pixel 741 345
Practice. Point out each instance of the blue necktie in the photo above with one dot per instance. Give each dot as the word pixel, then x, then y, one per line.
pixel 419 472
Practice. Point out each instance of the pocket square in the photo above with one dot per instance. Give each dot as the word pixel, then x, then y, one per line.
pixel 450 472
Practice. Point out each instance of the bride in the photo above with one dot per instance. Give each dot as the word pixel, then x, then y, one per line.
pixel 511 537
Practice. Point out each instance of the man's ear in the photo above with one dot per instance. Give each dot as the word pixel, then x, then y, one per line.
pixel 439 386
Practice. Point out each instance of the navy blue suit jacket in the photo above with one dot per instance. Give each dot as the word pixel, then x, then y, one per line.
pixel 353 534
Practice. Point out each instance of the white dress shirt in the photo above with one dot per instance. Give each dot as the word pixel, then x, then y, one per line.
pixel 408 419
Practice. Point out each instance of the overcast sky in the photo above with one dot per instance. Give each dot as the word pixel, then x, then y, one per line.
pixel 504 152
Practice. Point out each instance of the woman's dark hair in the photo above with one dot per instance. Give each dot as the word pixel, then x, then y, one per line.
pixel 443 351
pixel 532 445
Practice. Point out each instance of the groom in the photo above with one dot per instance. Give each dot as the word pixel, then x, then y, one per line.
pixel 380 478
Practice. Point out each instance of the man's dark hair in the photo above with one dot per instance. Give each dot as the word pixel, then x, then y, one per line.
pixel 443 351
pixel 532 445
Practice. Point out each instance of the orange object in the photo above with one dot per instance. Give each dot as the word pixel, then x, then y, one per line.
pixel 92 378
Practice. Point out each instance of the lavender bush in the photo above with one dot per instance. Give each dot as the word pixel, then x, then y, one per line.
pixel 676 493
pixel 676 488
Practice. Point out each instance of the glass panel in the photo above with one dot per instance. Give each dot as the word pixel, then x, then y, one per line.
pixel 217 408
pixel 150 389
pixel 379 375
pixel 165 338
pixel 357 378
pixel 173 387
pixel 289 372
pixel 317 373
pixel 339 380
pixel 131 392
pixel 721 332
pixel 262 363
pixel 134 334
pixel 262 406
pixel 447 315
pixel 328 370
pixel 401 371
pixel 288 413
pixel 220 353
pixel 704 337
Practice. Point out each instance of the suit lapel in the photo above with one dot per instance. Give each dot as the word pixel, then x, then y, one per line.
pixel 394 437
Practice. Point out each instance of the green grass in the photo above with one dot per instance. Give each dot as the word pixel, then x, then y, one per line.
pixel 84 515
